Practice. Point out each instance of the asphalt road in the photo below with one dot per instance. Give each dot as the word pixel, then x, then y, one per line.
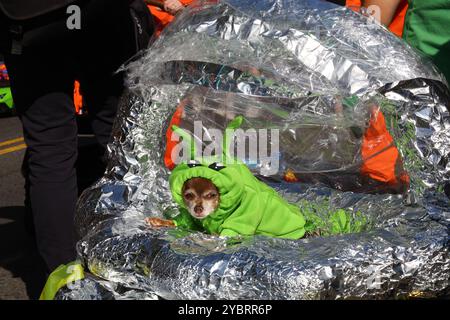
pixel 18 254
pixel 22 274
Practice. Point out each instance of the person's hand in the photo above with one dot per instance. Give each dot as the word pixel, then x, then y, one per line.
pixel 382 10
pixel 158 222
pixel 173 6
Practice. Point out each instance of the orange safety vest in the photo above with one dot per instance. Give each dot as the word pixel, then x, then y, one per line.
pixel 77 97
pixel 171 144
pixel 398 22
pixel 162 18
pixel 381 159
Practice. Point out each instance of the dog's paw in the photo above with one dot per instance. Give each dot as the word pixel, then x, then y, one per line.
pixel 158 222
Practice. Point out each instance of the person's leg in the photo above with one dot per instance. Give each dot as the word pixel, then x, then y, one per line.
pixel 42 85
pixel 101 105
pixel 102 96
pixel 101 102
pixel 106 24
pixel 111 34
pixel 29 222
pixel 51 135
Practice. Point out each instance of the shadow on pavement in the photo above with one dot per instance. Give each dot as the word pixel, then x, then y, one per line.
pixel 19 253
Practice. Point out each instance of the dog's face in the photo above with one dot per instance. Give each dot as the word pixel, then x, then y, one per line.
pixel 201 197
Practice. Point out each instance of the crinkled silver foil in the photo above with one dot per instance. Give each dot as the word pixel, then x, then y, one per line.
pixel 94 288
pixel 313 52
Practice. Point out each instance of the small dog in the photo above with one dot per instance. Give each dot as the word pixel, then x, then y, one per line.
pixel 201 198
pixel 229 201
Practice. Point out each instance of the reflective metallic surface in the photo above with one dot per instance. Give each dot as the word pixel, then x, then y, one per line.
pixel 94 288
pixel 286 65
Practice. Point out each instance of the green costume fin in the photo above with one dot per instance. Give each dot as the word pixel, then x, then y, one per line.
pixel 60 277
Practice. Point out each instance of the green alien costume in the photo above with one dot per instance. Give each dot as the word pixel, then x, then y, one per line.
pixel 247 206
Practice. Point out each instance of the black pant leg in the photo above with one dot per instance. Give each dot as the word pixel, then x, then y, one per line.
pixel 42 86
pixel 113 37
pixel 102 96
pixel 109 35
pixel 52 147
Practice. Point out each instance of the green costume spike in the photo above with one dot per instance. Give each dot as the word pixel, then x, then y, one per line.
pixel 186 138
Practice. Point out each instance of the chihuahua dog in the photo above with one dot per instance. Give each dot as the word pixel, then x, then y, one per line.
pixel 201 198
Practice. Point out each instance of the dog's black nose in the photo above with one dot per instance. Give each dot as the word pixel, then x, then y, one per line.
pixel 198 209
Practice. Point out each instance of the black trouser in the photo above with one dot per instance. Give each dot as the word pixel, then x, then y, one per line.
pixel 42 79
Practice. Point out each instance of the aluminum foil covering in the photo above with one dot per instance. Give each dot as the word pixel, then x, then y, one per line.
pixel 94 288
pixel 306 56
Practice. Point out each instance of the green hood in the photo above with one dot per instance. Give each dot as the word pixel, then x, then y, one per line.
pixel 231 191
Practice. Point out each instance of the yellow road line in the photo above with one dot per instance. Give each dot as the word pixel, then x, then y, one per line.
pixel 12 149
pixel 12 141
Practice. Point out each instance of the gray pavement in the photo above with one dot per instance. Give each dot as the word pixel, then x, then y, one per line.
pixel 22 274
pixel 18 254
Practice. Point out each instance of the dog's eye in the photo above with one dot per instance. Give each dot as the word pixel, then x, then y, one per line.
pixel 210 196
pixel 189 196
pixel 193 164
pixel 216 166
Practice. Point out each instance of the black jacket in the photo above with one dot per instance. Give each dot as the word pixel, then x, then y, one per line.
pixel 33 21
pixel 26 9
